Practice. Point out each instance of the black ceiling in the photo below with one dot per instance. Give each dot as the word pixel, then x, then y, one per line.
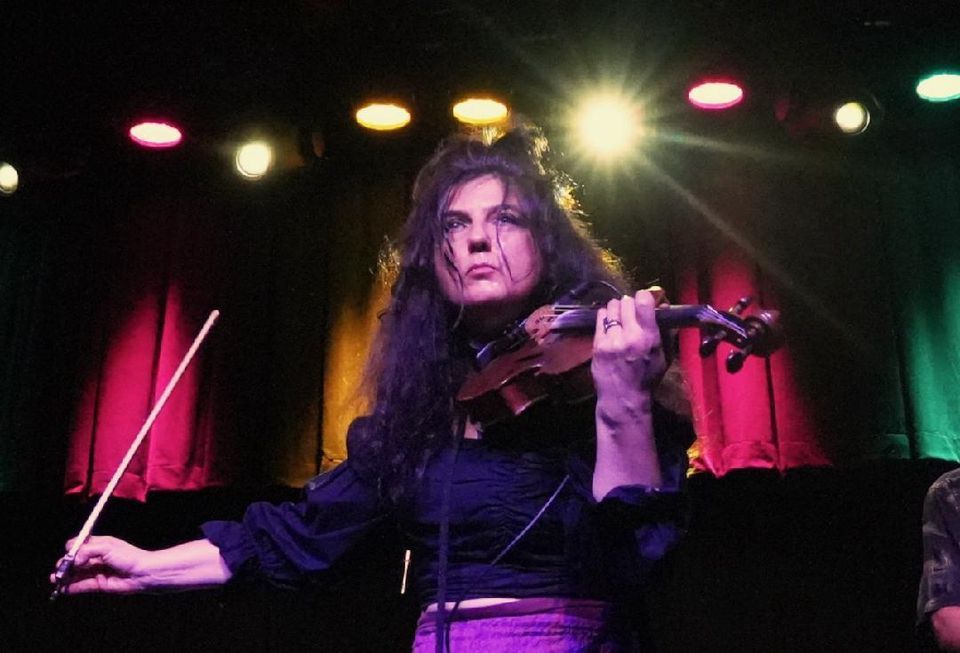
pixel 71 64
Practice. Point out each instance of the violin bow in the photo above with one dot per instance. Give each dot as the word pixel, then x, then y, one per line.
pixel 66 564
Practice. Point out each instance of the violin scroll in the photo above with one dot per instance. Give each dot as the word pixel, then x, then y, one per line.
pixel 757 335
pixel 764 337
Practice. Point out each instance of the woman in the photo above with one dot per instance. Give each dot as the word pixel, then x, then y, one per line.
pixel 528 532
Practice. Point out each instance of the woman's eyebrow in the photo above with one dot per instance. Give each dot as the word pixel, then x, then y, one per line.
pixel 503 205
pixel 455 213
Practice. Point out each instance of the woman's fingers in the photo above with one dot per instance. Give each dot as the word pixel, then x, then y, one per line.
pixel 84 586
pixel 639 334
pixel 598 329
pixel 628 354
pixel 100 582
pixel 608 332
pixel 645 303
pixel 628 314
pixel 102 564
pixel 95 553
pixel 628 325
pixel 93 550
pixel 659 295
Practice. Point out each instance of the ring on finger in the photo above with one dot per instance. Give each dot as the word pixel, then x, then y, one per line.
pixel 609 324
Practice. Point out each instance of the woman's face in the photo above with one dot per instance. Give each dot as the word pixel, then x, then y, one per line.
pixel 489 261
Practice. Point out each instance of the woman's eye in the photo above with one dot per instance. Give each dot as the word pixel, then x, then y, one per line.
pixel 453 224
pixel 509 218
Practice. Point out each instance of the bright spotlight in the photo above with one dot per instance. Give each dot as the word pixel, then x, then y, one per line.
pixel 383 117
pixel 254 159
pixel 9 179
pixel 715 95
pixel 156 135
pixel 480 111
pixel 941 87
pixel 852 118
pixel 608 126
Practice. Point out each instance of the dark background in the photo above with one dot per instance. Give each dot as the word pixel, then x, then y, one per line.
pixel 813 560
pixel 809 560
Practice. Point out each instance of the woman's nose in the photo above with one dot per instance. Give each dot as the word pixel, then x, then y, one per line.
pixel 479 238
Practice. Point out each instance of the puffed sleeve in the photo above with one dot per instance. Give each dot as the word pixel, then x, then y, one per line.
pixel 656 516
pixel 636 525
pixel 940 580
pixel 289 542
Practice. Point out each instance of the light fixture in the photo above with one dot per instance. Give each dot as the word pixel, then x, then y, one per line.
pixel 480 111
pixel 852 118
pixel 940 87
pixel 254 159
pixel 607 125
pixel 715 94
pixel 383 116
pixel 836 108
pixel 155 134
pixel 9 179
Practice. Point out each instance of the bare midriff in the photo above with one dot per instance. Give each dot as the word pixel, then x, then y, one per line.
pixel 474 603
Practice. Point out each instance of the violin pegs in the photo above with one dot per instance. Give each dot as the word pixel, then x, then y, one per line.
pixel 708 344
pixel 741 305
pixel 735 360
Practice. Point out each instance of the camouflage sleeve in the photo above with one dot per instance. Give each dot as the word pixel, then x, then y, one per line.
pixel 940 580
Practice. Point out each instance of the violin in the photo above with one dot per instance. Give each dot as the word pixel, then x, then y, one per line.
pixel 547 354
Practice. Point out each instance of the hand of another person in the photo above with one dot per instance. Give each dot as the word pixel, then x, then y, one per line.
pixel 628 359
pixel 107 564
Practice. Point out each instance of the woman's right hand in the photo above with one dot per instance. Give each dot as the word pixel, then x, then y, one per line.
pixel 107 564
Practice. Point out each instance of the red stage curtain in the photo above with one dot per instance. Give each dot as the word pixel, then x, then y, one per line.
pixel 818 242
pixel 755 418
pixel 158 291
pixel 247 411
pixel 807 240
pixel 180 450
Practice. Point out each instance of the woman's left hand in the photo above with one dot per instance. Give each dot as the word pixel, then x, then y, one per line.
pixel 628 359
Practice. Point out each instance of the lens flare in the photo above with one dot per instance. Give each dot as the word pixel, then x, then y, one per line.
pixel 608 126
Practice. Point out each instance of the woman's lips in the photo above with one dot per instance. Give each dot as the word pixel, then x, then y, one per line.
pixel 481 269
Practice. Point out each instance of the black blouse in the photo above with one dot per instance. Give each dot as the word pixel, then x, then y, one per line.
pixel 578 548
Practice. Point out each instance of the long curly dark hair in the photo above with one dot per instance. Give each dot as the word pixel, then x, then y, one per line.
pixel 420 355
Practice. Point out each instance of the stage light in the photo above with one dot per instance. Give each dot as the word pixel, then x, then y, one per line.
pixel 852 118
pixel 480 111
pixel 607 126
pixel 715 94
pixel 9 179
pixel 383 116
pixel 254 159
pixel 156 135
pixel 830 111
pixel 941 87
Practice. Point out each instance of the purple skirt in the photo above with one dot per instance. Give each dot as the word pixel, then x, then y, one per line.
pixel 538 625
